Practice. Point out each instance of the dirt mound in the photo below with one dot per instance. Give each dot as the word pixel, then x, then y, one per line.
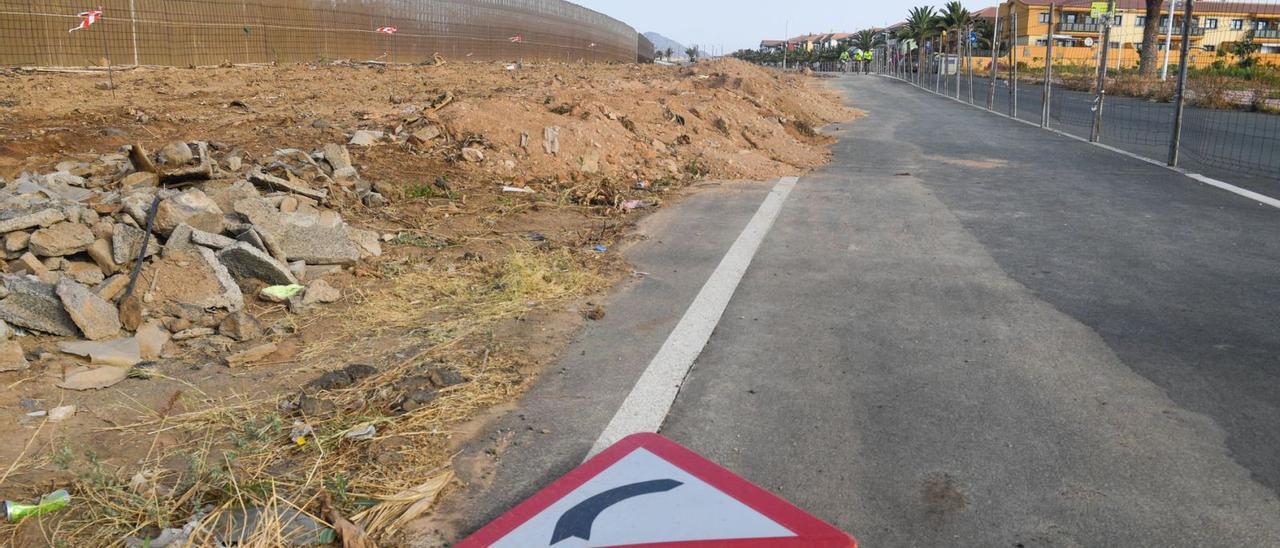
pixel 497 195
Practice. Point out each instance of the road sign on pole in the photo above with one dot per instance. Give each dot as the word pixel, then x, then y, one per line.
pixel 648 490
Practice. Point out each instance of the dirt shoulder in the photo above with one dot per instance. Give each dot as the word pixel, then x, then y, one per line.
pixel 495 197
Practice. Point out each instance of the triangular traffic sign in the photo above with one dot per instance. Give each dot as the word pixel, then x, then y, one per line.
pixel 648 491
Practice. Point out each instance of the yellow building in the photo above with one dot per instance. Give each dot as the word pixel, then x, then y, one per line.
pixel 1076 33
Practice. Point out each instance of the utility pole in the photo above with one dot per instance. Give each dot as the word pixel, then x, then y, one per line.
pixel 1168 41
pixel 1095 132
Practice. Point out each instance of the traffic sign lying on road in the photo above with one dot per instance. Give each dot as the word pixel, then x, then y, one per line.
pixel 649 491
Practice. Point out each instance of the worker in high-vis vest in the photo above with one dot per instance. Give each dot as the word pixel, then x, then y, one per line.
pixel 867 57
pixel 844 60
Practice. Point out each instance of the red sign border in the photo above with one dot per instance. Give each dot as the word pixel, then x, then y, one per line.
pixel 810 531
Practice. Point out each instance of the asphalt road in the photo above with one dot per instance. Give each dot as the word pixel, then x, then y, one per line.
pixel 1240 147
pixel 985 336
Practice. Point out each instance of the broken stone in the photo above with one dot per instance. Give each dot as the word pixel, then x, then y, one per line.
pixel 59 414
pixel 551 140
pixel 16 241
pixel 191 207
pixel 338 156
pixel 211 240
pixel 271 182
pixel 193 279
pixel 374 200
pixel 131 311
pixel 94 379
pixel 141 160
pixel 112 287
pixel 251 355
pixel 126 242
pixel 61 239
pixel 320 291
pixel 424 135
pixel 28 264
pixel 103 256
pixel 103 229
pixel 55 263
pixel 445 377
pixel 315 272
pixel 245 261
pixel 179 240
pixel 472 154
pixel 299 270
pixel 12 357
pixel 288 204
pixel 176 154
pixel 36 306
pixel 241 326
pixel 314 238
pixel 22 219
pixel 6 332
pixel 118 352
pixel 418 399
pixel 151 338
pixel 140 179
pixel 85 272
pixel 368 241
pixel 364 138
pixel 226 196
pixel 194 332
pixel 234 163
pixel 96 317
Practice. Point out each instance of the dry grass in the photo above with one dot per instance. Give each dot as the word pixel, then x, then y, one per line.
pixel 240 453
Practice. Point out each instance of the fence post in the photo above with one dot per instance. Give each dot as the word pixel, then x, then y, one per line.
pixel 1048 73
pixel 1175 140
pixel 959 56
pixel 1013 61
pixel 995 58
pixel 968 39
pixel 1095 132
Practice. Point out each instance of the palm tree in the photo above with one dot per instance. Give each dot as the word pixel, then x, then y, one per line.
pixel 1148 61
pixel 922 25
pixel 868 39
pixel 954 18
pixel 692 53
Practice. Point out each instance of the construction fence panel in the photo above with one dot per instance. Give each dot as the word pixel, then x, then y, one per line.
pixel 1230 123
pixel 213 32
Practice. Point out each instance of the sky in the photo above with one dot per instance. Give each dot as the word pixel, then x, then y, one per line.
pixel 739 24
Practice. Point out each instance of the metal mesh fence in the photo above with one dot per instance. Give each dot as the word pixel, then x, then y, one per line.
pixel 1076 66
pixel 212 32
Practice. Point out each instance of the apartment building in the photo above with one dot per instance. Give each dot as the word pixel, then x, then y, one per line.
pixel 1214 25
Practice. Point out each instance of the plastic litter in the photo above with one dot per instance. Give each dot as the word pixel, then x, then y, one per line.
pixel 362 432
pixel 517 189
pixel 281 293
pixel 600 248
pixel 300 432
pixel 52 502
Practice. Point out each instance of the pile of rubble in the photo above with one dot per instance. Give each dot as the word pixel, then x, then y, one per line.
pixel 130 251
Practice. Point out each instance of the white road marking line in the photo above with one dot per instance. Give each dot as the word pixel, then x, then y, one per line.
pixel 1260 198
pixel 651 398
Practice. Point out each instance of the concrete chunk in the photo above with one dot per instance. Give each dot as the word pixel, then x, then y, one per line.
pixel 96 318
pixel 35 305
pixel 245 261
pixel 126 241
pixel 61 239
pixel 302 236
pixel 22 219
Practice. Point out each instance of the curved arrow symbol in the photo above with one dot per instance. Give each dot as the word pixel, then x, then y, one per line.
pixel 577 521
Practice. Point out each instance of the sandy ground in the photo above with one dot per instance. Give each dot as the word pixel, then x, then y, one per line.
pixel 475 281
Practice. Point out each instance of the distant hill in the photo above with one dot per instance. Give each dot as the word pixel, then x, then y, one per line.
pixel 661 43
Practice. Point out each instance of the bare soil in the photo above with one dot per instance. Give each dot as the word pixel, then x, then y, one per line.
pixel 474 280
